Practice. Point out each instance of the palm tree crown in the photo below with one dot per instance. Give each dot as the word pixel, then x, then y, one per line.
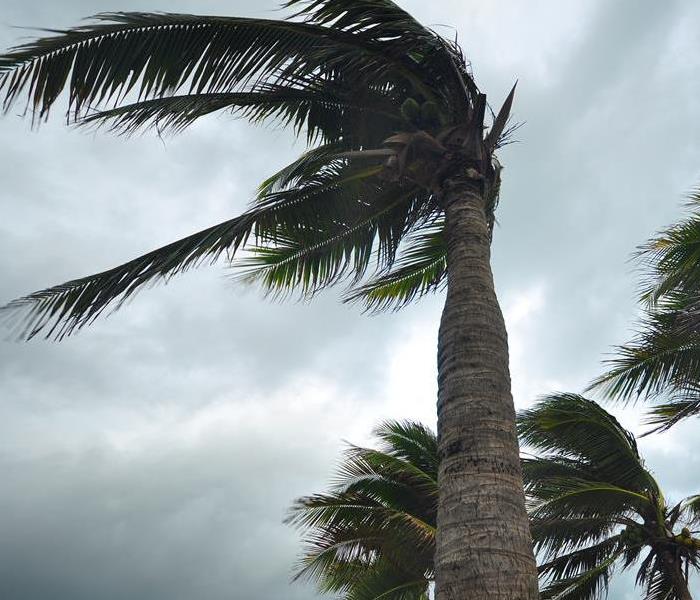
pixel 385 104
pixel 594 504
pixel 373 535
pixel 663 361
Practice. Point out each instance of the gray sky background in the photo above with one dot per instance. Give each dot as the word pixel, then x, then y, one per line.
pixel 154 455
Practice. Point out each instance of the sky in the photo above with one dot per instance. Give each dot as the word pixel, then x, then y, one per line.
pixel 155 454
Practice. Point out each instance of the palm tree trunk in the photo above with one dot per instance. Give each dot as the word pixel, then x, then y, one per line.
pixel 680 583
pixel 484 548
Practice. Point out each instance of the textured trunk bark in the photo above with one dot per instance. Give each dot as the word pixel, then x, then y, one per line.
pixel 673 567
pixel 484 548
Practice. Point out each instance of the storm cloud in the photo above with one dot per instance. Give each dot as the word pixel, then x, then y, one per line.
pixel 154 454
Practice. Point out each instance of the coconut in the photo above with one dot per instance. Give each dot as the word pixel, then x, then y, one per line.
pixel 410 110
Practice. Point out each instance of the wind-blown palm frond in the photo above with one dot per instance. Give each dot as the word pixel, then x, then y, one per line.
pixel 588 585
pixel 309 259
pixel 386 21
pixel 581 561
pixel 156 54
pixel 684 403
pixel 553 536
pixel 592 504
pixel 659 585
pixel 385 582
pixel 579 429
pixel 421 269
pixel 690 509
pixel 373 535
pixel 317 109
pixel 661 356
pixel 662 362
pixel 671 258
pixel 60 310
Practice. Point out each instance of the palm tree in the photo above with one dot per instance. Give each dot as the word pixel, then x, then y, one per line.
pixel 662 363
pixel 373 535
pixel 395 196
pixel 593 504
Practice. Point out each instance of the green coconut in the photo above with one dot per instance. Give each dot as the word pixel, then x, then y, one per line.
pixel 430 115
pixel 411 110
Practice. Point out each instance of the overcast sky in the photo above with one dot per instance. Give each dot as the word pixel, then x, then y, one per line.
pixel 155 454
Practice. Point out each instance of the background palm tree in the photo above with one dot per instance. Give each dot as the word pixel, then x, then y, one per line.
pixel 373 534
pixel 593 504
pixel 396 197
pixel 662 363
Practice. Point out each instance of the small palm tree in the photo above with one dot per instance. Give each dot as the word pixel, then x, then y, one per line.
pixel 373 535
pixel 593 505
pixel 395 197
pixel 662 363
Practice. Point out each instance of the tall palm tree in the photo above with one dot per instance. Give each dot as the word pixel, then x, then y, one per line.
pixel 372 536
pixel 662 363
pixel 395 196
pixel 593 504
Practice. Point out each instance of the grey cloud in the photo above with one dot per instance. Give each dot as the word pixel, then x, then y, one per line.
pixel 154 454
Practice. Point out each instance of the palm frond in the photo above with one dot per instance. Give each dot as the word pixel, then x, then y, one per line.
pixel 553 536
pixel 498 131
pixel 385 21
pixel 383 582
pixel 645 568
pixel 684 404
pixel 60 310
pixel 373 534
pixel 539 471
pixel 421 269
pixel 663 359
pixel 382 19
pixel 412 442
pixel 391 481
pixel 672 257
pixel 580 499
pixel 154 55
pixel 589 585
pixel 304 259
pixel 309 164
pixel 691 510
pixel 661 355
pixel 572 564
pixel 343 564
pixel 660 584
pixel 574 427
pixel 319 110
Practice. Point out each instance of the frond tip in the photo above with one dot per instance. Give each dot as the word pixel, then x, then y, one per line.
pixel 58 311
pixel 421 269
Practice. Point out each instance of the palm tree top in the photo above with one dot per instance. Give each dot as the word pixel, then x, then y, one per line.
pixel 594 504
pixel 372 535
pixel 389 109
